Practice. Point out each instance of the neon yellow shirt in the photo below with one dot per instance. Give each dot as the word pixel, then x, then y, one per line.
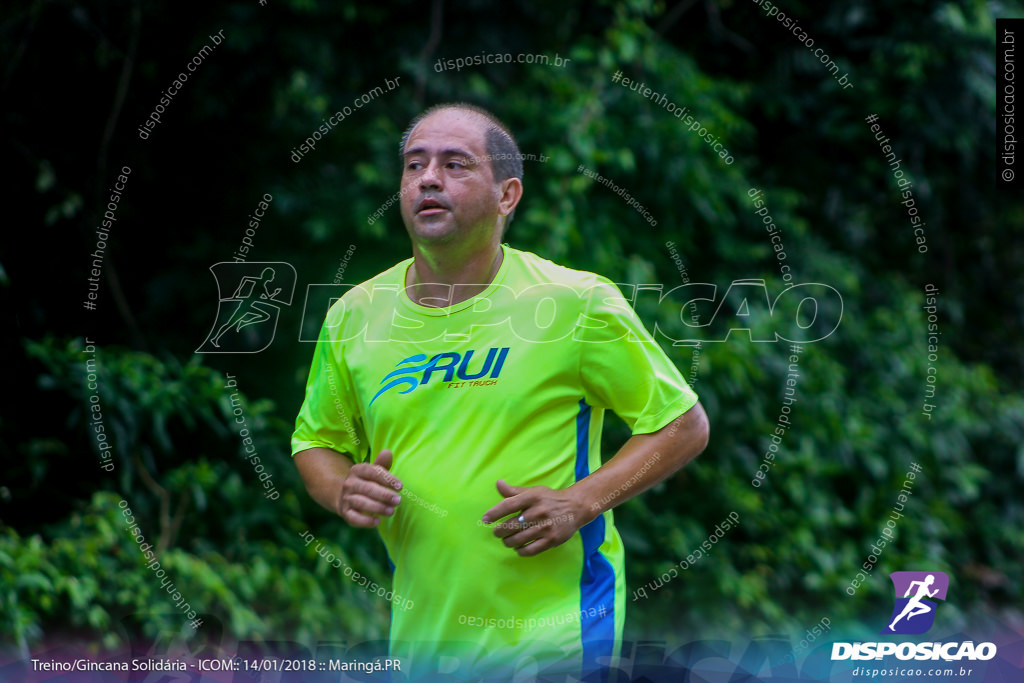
pixel 510 384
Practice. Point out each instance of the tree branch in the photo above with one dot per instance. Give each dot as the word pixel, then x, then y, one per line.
pixel 428 49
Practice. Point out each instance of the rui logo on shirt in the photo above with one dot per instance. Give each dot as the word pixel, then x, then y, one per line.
pixel 417 370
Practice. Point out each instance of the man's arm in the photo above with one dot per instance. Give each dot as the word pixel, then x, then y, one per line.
pixel 643 461
pixel 359 493
pixel 552 516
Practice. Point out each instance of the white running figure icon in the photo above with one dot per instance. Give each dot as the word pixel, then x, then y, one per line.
pixel 915 606
pixel 250 310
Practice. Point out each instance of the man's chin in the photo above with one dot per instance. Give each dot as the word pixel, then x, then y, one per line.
pixel 436 228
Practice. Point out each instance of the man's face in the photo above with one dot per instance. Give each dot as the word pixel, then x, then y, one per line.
pixel 448 189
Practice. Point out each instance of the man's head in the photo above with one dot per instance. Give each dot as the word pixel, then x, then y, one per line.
pixel 462 174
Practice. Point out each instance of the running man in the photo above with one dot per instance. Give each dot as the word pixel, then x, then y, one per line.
pixel 249 311
pixel 455 402
pixel 915 606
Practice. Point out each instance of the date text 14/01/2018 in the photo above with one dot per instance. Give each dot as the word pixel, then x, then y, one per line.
pixel 274 664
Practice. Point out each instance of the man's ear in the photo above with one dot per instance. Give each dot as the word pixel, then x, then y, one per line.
pixel 511 193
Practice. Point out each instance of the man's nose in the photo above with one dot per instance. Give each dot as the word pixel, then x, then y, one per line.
pixel 431 177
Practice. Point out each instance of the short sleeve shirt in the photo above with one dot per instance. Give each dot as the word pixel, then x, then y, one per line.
pixel 512 383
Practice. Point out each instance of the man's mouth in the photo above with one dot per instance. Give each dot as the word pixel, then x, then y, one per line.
pixel 430 207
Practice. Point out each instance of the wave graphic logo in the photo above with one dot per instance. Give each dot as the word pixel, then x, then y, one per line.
pixel 452 364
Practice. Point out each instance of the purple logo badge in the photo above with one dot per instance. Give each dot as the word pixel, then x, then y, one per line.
pixel 914 612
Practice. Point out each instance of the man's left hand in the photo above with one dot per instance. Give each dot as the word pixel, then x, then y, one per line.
pixel 534 518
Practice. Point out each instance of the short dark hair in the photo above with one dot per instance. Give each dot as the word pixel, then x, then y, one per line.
pixel 501 147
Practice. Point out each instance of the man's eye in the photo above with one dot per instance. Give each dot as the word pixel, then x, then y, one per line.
pixel 456 165
pixel 414 166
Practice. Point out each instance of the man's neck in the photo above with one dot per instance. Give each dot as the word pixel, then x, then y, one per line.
pixel 440 280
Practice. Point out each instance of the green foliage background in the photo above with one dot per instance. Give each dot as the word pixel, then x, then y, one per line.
pixel 79 79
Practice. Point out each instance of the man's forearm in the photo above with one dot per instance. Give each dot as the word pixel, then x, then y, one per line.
pixel 324 472
pixel 643 461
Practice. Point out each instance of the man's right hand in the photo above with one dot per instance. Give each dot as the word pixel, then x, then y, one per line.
pixel 368 492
